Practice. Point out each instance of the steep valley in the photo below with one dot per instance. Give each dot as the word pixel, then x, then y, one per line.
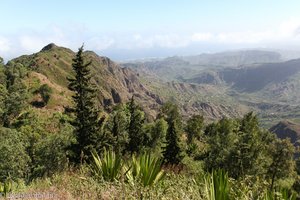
pixel 259 82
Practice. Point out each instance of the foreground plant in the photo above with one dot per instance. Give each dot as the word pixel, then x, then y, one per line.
pixel 109 167
pixel 5 187
pixel 280 193
pixel 215 186
pixel 147 169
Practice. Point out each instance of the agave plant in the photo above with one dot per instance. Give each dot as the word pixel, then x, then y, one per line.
pixel 5 187
pixel 146 169
pixel 109 167
pixel 280 193
pixel 216 186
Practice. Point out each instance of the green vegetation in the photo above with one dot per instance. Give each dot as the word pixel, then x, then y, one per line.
pixel 109 167
pixel 14 159
pixel 86 122
pixel 5 187
pixel 76 152
pixel 172 152
pixel 45 92
pixel 135 132
pixel 217 186
pixel 146 168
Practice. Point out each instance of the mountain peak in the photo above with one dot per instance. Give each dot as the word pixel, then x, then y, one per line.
pixel 49 47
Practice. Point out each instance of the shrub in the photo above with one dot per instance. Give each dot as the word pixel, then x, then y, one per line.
pixel 14 161
pixel 50 154
pixel 45 92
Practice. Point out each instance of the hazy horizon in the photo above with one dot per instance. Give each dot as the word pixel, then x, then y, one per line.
pixel 136 29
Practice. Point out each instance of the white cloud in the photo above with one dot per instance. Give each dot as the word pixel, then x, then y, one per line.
pixel 100 43
pixel 170 41
pixel 289 28
pixel 248 37
pixel 286 32
pixel 26 41
pixel 156 40
pixel 5 45
pixel 31 43
pixel 199 37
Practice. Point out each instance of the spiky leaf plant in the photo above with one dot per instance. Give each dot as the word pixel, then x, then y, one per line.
pixel 147 169
pixel 5 187
pixel 216 186
pixel 109 167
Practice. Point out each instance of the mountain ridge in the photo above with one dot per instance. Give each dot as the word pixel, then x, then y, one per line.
pixel 114 83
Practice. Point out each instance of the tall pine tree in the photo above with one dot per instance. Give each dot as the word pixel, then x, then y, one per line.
pixel 172 152
pixel 86 123
pixel 135 128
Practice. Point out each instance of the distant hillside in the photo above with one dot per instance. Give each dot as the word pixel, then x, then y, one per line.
pixel 210 101
pixel 287 129
pixel 250 79
pixel 234 58
pixel 241 81
pixel 176 67
pixel 115 84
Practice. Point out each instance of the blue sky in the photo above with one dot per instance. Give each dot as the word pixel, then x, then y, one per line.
pixel 139 28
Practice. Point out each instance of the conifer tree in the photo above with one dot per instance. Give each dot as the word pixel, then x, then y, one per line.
pixel 117 126
pixel 194 128
pixel 172 152
pixel 135 128
pixel 86 123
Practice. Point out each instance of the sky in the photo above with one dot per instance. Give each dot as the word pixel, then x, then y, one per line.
pixel 135 29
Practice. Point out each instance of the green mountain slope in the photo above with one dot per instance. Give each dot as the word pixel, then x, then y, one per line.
pixel 115 84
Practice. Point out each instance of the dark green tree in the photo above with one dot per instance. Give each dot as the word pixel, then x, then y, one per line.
pixel 3 97
pixel 3 90
pixel 283 164
pixel 135 128
pixel 15 103
pixel 221 137
pixel 242 148
pixel 86 123
pixel 2 73
pixel 158 133
pixel 248 150
pixel 117 126
pixel 15 94
pixel 296 185
pixel 45 92
pixel 194 128
pixel 172 152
